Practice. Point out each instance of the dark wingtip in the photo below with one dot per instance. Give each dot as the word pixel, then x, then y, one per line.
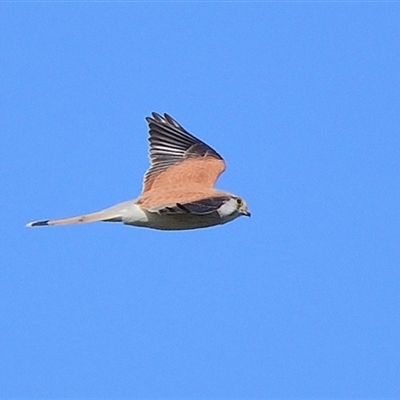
pixel 172 121
pixel 155 117
pixel 166 119
pixel 196 147
pixel 38 223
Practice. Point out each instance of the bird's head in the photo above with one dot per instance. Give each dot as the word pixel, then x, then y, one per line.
pixel 241 206
pixel 234 207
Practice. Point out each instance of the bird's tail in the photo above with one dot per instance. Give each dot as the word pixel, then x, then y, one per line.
pixel 112 214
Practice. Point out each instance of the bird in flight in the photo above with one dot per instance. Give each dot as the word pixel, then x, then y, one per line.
pixel 178 189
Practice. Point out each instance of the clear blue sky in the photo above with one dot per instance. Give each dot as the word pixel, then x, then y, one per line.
pixel 300 300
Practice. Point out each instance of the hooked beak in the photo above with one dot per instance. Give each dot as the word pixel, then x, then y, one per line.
pixel 246 212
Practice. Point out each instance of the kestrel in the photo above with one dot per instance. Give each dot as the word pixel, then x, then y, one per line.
pixel 178 189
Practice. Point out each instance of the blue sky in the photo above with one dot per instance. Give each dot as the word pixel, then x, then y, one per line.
pixel 301 300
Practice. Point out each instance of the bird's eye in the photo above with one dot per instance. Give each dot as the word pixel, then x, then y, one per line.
pixel 239 202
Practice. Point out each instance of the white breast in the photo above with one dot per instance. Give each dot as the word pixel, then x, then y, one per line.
pixel 228 209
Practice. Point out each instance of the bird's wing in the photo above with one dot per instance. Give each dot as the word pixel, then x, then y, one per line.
pixel 200 207
pixel 178 158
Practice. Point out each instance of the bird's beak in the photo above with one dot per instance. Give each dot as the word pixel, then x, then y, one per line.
pixel 246 212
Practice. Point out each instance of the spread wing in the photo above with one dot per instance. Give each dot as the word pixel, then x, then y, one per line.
pixel 178 158
pixel 200 207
